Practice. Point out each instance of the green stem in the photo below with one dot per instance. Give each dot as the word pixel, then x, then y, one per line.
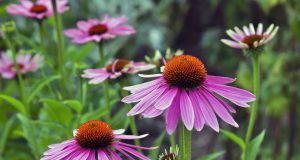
pixel 60 39
pixel 256 82
pixel 105 83
pixel 21 89
pixel 184 143
pixel 173 142
pixel 132 122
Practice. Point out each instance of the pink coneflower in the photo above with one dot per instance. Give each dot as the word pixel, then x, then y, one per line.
pixel 27 63
pixel 184 89
pixel 115 69
pixel 96 30
pixel 38 10
pixel 95 139
pixel 250 38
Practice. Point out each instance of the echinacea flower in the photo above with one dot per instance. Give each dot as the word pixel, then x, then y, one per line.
pixel 95 139
pixel 96 30
pixel 37 10
pixel 115 69
pixel 172 155
pixel 250 38
pixel 185 90
pixel 27 63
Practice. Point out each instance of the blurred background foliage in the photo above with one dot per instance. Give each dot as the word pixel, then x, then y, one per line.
pixel 193 26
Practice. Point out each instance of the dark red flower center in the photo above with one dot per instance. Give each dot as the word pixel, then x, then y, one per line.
pixel 94 134
pixel 119 64
pixel 249 40
pixel 184 71
pixel 21 66
pixel 98 29
pixel 37 8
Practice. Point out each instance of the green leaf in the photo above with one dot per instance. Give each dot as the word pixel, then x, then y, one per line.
pixel 74 104
pixel 15 103
pixel 212 156
pixel 238 140
pixel 30 134
pixel 6 130
pixel 41 86
pixel 254 146
pixel 93 115
pixel 157 143
pixel 56 111
pixel 120 120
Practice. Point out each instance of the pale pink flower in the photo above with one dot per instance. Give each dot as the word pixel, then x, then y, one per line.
pixel 96 139
pixel 27 63
pixel 185 90
pixel 115 70
pixel 249 37
pixel 38 10
pixel 96 30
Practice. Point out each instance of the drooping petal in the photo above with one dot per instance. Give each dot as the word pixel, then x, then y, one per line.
pixel 172 116
pixel 219 79
pixel 122 136
pixel 166 99
pixel 199 118
pixel 187 111
pixel 103 155
pixel 219 108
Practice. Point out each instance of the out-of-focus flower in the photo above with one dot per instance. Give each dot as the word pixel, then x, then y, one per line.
pixel 115 69
pixel 96 30
pixel 38 10
pixel 96 139
pixel 185 90
pixel 158 58
pixel 250 38
pixel 172 155
pixel 27 63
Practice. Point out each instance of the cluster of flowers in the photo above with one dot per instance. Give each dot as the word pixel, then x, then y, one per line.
pixel 183 90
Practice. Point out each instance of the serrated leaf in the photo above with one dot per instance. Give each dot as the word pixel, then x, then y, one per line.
pixel 254 146
pixel 212 156
pixel 238 140
pixel 15 103
pixel 56 111
pixel 74 104
pixel 41 86
pixel 157 143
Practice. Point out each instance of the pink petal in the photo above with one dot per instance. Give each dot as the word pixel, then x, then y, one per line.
pixel 103 155
pixel 172 116
pixel 218 79
pixel 152 112
pixel 114 155
pixel 187 111
pixel 166 99
pixel 128 137
pixel 199 118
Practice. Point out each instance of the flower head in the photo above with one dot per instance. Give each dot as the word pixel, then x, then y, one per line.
pixel 96 30
pixel 250 38
pixel 39 10
pixel 95 139
pixel 185 90
pixel 27 63
pixel 172 155
pixel 115 69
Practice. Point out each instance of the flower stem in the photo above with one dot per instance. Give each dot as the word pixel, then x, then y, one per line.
pixel 184 142
pixel 132 122
pixel 60 39
pixel 256 82
pixel 105 83
pixel 173 142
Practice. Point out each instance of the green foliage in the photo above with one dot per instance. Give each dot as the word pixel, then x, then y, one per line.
pixel 254 146
pixel 15 103
pixel 212 156
pixel 157 143
pixel 238 140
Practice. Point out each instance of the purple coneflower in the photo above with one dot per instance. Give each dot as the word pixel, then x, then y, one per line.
pixel 115 69
pixel 96 30
pixel 27 63
pixel 39 10
pixel 250 38
pixel 95 139
pixel 184 89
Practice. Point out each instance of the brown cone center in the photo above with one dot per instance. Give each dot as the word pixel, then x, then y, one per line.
pixel 37 8
pixel 98 29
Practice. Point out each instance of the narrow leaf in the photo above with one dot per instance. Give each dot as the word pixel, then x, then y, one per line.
pixel 41 86
pixel 6 131
pixel 74 104
pixel 254 146
pixel 212 156
pixel 157 143
pixel 238 140
pixel 15 103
